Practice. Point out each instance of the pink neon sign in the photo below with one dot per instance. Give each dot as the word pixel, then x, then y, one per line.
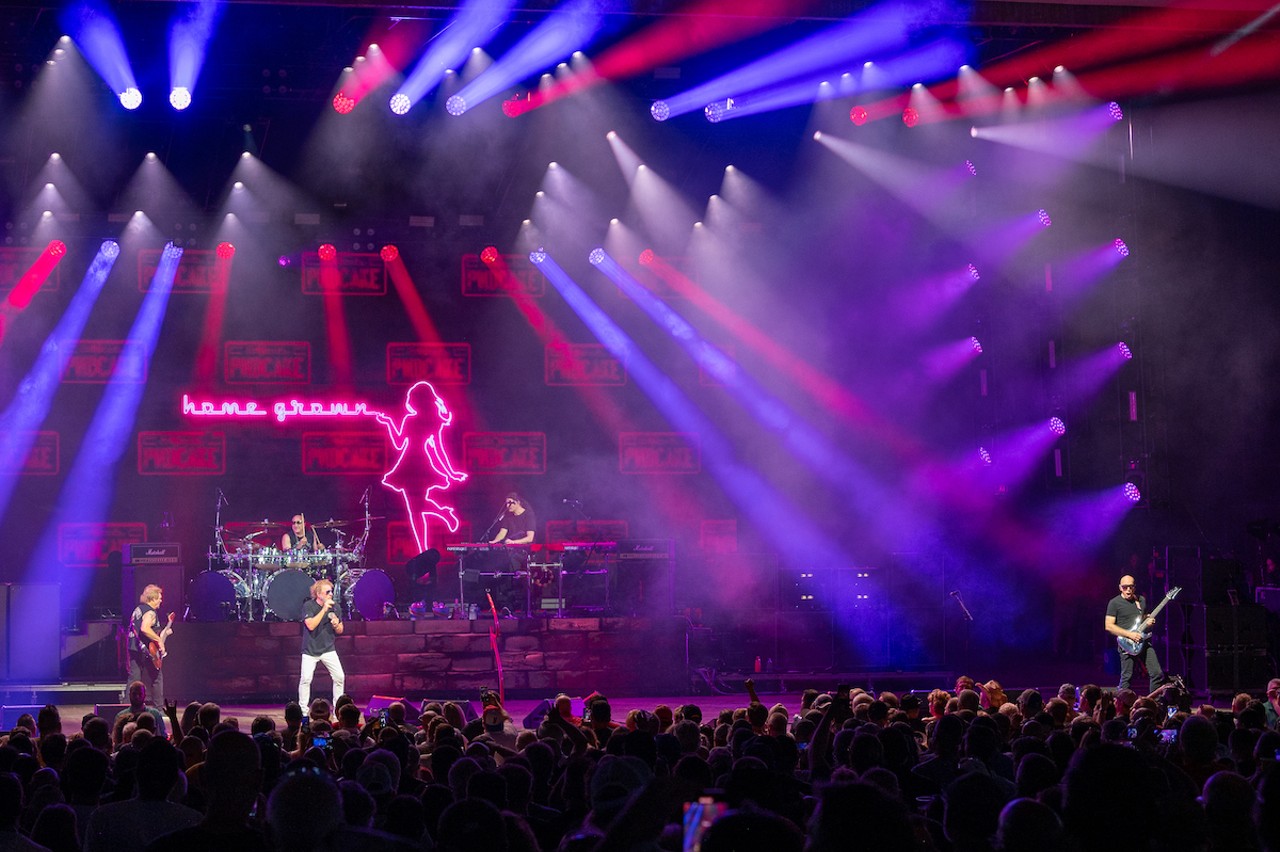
pixel 423 466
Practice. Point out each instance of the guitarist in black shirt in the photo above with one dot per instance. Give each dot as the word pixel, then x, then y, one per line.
pixel 146 643
pixel 1129 621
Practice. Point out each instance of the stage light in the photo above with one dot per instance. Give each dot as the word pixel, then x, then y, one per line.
pixel 858 115
pixel 327 252
pixel 1121 248
pixel 511 107
pixel 389 253
pixel 971 168
pixel 1043 215
pixel 343 103
pixel 1117 114
pixel 400 103
pixel 171 251
pixel 553 165
pixel 1056 426
pixel 714 111
pixel 976 345
pixel 973 273
pixel 131 98
pixel 151 157
pixel 984 455
pixel 1132 492
pixel 180 98
pixel 910 117
pixel 489 255
pixel 596 257
pixel 56 248
pixel 647 257
pixel 55 156
pixel 225 251
pixel 660 110
pixel 538 256
pixel 246 156
pixel 1125 352
pixel 284 261
pixel 456 105
pixel 110 249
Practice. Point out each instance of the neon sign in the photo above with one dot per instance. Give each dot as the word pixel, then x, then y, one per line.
pixel 422 467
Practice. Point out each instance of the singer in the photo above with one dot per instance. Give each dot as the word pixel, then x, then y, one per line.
pixel 321 627
pixel 516 523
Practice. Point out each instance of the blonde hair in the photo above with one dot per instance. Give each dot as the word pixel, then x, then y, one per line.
pixel 151 593
pixel 315 587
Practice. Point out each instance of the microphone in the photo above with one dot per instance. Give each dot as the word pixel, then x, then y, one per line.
pixel 222 498
pixel 365 498
pixel 954 594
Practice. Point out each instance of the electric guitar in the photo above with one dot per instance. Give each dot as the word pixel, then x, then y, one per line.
pixel 1129 646
pixel 153 648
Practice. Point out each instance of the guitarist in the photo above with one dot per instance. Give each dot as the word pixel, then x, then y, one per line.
pixel 1128 610
pixel 144 630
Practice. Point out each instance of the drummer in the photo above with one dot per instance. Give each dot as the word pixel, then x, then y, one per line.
pixel 296 538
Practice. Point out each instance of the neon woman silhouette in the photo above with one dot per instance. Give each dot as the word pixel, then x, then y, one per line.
pixel 423 465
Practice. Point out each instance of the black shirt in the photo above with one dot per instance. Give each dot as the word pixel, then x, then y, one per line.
pixel 1128 614
pixel 324 638
pixel 138 642
pixel 518 525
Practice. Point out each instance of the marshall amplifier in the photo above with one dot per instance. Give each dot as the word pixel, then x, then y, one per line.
pixel 153 553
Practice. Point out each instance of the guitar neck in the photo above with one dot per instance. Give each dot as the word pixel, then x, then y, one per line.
pixel 1161 606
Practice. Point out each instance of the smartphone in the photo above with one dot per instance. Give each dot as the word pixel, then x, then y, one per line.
pixel 322 741
pixel 306 725
pixel 1133 733
pixel 698 817
pixel 1170 714
pixel 1169 735
pixel 384 716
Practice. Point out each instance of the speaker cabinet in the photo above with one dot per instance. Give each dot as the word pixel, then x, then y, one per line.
pixel 35 644
pixel 135 578
pixel 9 714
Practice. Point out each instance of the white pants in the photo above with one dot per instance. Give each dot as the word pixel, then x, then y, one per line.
pixel 333 664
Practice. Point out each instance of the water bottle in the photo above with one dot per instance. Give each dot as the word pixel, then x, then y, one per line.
pixel 757 665
pixel 473 612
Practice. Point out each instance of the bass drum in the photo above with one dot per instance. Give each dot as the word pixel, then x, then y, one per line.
pixel 217 595
pixel 366 592
pixel 286 591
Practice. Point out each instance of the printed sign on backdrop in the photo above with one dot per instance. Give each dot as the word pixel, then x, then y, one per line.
pixel 519 277
pixel 43 459
pixel 438 363
pixel 182 453
pixel 14 262
pixel 505 452
pixel 582 364
pixel 266 362
pixel 586 530
pixel 344 453
pixel 402 546
pixel 719 536
pixel 88 545
pixel 199 271
pixel 349 274
pixel 96 362
pixel 659 452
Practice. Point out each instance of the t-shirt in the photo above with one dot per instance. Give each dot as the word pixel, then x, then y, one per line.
pixel 518 525
pixel 138 642
pixel 323 639
pixel 1127 612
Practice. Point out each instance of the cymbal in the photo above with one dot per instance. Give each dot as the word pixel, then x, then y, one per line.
pixel 254 534
pixel 265 523
pixel 324 525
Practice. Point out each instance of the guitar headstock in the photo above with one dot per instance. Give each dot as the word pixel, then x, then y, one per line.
pixel 1172 593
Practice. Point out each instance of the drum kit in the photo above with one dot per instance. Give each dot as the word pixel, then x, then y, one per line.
pixel 249 578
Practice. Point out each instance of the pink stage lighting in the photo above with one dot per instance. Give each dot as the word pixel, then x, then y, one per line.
pixel 1117 114
pixel 343 103
pixel 973 273
pixel 1131 491
pixel 910 117
pixel 225 251
pixel 1125 352
pixel 56 248
pixel 389 253
pixel 984 455
pixel 489 255
pixel 1044 217
pixel 1121 248
pixel 972 169
pixel 976 344
pixel 647 257
pixel 284 261
pixel 858 115
pixel 328 253
pixel 1056 426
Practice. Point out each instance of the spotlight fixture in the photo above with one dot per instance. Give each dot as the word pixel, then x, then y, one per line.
pixel 400 103
pixel 984 455
pixel 976 345
pixel 489 255
pixel 971 168
pixel 1132 492
pixel 456 105
pixel 660 110
pixel 1121 248
pixel 1117 114
pixel 714 112
pixel 511 107
pixel 327 252
pixel 343 103
pixel 110 249
pixel 171 251
pixel 538 256
pixel 647 257
pixel 596 257
pixel 131 98
pixel 1056 426
pixel 973 273
pixel 858 115
pixel 225 250
pixel 56 248
pixel 180 98
pixel 910 117
pixel 389 253
pixel 1043 215
pixel 284 261
pixel 1125 352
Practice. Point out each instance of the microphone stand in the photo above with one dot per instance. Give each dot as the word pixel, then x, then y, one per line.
pixel 967 618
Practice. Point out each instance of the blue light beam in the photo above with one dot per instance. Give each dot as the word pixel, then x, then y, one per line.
pixel 189 37
pixel 95 30
pixel 473 26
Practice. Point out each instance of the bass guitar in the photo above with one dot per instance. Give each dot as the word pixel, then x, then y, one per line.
pixel 1134 648
pixel 153 648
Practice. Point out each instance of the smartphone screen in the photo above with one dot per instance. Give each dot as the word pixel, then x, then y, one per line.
pixel 1169 735
pixel 698 817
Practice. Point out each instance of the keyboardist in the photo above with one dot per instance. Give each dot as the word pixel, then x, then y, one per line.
pixel 516 526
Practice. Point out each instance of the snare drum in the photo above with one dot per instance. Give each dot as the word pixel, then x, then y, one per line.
pixel 217 595
pixel 366 592
pixel 286 591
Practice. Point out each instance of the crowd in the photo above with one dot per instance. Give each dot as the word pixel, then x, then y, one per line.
pixel 968 769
